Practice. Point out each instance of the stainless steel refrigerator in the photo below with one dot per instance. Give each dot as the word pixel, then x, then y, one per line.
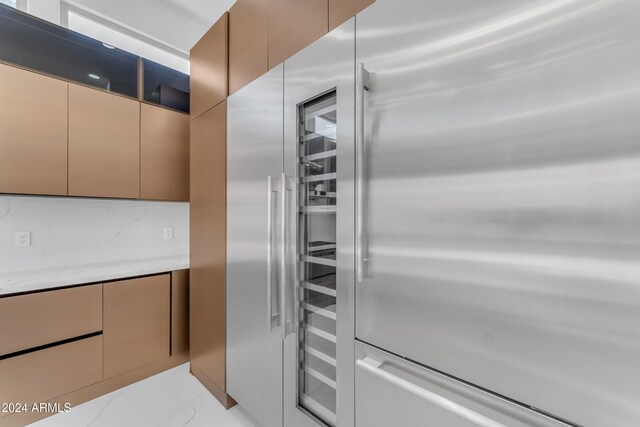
pixel 290 277
pixel 455 240
pixel 500 241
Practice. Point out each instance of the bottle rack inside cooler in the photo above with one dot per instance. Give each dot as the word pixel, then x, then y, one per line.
pixel 317 243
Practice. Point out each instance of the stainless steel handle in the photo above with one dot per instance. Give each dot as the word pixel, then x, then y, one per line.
pixel 362 84
pixel 283 255
pixel 372 366
pixel 270 193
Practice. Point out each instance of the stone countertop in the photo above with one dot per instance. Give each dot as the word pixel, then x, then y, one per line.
pixel 26 281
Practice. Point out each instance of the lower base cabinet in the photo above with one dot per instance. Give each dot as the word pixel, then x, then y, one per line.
pixel 391 391
pixel 137 325
pixel 40 375
pixel 77 343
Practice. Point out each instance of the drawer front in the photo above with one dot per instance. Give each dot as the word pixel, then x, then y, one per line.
pixel 32 320
pixel 391 391
pixel 45 374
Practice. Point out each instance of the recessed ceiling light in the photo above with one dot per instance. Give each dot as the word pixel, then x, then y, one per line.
pixel 94 76
pixel 108 46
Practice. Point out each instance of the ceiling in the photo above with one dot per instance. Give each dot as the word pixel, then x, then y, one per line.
pixel 177 23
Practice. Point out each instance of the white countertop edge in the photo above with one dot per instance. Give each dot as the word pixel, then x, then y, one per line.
pixel 49 280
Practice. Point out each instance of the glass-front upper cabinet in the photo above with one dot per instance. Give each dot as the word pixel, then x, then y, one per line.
pixel 32 43
pixel 317 257
pixel 165 86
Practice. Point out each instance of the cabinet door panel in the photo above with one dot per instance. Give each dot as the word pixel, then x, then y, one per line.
pixel 136 323
pixel 33 146
pixel 208 243
pixel 293 25
pixel 341 10
pixel 104 144
pixel 247 42
pixel 164 154
pixel 209 68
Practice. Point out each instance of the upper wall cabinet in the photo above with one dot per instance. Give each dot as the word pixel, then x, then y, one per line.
pixel 33 123
pixel 165 86
pixel 293 25
pixel 248 36
pixel 164 154
pixel 209 67
pixel 104 144
pixel 341 10
pixel 39 45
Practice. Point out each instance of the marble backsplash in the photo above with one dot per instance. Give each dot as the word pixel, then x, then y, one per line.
pixel 78 240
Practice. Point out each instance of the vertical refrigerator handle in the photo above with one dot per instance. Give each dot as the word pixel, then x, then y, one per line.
pixel 362 85
pixel 271 191
pixel 284 188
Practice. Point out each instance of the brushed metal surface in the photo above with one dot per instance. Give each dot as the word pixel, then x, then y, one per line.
pixel 325 65
pixel 503 158
pixel 293 25
pixel 254 353
pixel 341 11
pixel 395 392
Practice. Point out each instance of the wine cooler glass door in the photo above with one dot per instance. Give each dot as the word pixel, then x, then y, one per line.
pixel 319 158
pixel 317 201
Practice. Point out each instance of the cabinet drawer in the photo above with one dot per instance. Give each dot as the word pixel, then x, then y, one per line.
pixel 391 391
pixel 32 320
pixel 42 375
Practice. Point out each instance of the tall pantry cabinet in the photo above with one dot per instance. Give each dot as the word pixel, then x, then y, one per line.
pixel 208 209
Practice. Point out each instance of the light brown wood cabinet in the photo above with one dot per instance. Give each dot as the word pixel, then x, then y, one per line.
pixel 41 318
pixel 104 144
pixel 137 323
pixel 208 249
pixel 42 375
pixel 179 312
pixel 341 10
pixel 164 154
pixel 248 46
pixel 293 25
pixel 33 124
pixel 209 68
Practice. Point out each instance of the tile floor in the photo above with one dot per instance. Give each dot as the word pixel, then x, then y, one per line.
pixel 172 398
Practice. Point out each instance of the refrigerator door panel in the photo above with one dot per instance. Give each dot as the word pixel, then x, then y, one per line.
pixel 319 158
pixel 391 391
pixel 254 321
pixel 501 235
